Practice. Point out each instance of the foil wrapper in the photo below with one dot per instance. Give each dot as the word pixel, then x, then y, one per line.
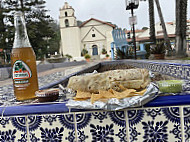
pixel 116 104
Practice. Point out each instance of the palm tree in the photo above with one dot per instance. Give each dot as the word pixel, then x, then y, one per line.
pixel 181 25
pixel 166 38
pixel 152 21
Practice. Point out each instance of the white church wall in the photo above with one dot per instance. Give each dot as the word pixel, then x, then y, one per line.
pixel 71 41
pixel 92 23
pixel 103 36
pixel 109 40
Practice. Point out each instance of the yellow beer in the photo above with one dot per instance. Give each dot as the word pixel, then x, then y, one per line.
pixel 23 61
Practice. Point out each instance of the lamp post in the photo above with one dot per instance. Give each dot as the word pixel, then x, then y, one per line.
pixel 131 5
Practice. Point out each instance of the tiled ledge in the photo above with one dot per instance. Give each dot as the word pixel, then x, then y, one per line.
pixel 165 118
pixel 129 125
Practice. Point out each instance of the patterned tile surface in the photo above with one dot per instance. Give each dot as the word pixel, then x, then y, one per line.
pixel 51 128
pixel 154 124
pixel 101 126
pixel 137 125
pixel 12 129
pixel 186 111
pixel 172 69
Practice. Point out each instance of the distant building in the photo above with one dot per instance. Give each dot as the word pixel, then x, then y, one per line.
pixel 144 36
pixel 93 34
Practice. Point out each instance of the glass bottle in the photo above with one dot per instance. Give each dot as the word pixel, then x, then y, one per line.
pixel 23 61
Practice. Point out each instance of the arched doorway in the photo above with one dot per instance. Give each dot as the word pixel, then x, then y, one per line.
pixel 94 50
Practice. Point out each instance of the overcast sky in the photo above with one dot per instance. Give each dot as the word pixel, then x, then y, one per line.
pixel 114 11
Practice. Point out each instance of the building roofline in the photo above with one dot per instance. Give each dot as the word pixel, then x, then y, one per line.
pixel 97 21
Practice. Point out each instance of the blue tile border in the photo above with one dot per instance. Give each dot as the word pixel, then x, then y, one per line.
pixel 169 101
pixel 35 109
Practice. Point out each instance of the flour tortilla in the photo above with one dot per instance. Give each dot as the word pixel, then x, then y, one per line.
pixel 128 78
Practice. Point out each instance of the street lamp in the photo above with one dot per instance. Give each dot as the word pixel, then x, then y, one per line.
pixel 131 5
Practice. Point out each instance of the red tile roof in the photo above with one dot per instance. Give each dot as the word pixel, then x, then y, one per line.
pixel 136 31
pixel 148 38
pixel 97 21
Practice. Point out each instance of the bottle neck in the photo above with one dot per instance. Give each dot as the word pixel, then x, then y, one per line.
pixel 21 36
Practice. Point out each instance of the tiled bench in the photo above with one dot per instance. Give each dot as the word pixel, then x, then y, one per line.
pixel 164 119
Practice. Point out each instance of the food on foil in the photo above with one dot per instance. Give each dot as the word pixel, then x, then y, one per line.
pixel 114 79
pixel 105 95
pixel 110 84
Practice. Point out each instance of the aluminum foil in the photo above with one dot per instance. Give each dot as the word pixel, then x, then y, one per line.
pixel 116 104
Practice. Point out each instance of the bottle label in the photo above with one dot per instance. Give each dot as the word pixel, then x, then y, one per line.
pixel 21 72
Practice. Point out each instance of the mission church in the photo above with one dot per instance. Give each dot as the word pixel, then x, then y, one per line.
pixel 92 35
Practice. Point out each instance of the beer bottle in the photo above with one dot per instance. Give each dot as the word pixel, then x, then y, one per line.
pixel 23 61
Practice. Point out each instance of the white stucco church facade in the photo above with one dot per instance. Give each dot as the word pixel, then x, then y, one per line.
pixel 93 34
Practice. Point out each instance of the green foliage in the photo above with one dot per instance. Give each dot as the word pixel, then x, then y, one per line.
pixel 122 54
pixel 68 56
pixel 40 26
pixel 104 51
pixel 54 42
pixel 56 60
pixel 159 48
pixel 147 48
pixel 84 52
pixel 87 56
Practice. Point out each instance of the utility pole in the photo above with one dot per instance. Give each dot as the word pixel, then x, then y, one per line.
pixel 134 38
pixel 131 5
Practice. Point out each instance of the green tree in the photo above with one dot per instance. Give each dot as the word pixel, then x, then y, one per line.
pixel 166 38
pixel 152 21
pixel 181 27
pixel 2 27
pixel 54 42
pixel 37 22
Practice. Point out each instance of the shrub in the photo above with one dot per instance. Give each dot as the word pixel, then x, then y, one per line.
pixel 122 54
pixel 87 56
pixel 68 56
pixel 84 52
pixel 104 51
pixel 159 48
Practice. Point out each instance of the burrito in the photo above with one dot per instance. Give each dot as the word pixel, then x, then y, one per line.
pixel 113 79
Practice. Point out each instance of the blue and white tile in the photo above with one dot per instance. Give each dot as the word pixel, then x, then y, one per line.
pixel 58 127
pixel 12 129
pixel 154 124
pixel 186 112
pixel 101 126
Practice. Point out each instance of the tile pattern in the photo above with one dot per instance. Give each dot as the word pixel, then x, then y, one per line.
pixel 155 124
pixel 186 112
pixel 176 70
pixel 12 129
pixel 51 128
pixel 103 126
pixel 132 125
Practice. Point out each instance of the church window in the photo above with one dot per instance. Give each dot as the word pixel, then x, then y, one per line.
pixel 66 14
pixel 66 23
pixel 93 35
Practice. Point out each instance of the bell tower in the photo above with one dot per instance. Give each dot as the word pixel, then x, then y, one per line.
pixel 70 32
pixel 67 17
